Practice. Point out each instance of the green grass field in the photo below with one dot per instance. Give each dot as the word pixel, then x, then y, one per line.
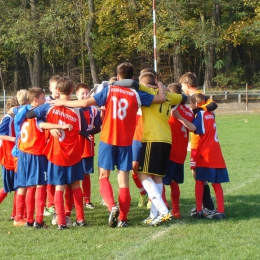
pixel 236 237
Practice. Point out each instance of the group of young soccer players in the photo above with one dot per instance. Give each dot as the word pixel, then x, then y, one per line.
pixel 145 128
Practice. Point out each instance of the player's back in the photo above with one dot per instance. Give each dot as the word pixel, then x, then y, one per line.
pixel 121 108
pixel 180 134
pixel 6 158
pixel 66 150
pixel 209 153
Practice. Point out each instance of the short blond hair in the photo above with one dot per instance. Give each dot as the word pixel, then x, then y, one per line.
pixel 22 96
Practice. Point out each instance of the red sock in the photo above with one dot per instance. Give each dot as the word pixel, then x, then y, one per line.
pixel 86 187
pixel 59 207
pixel 164 197
pixel 68 201
pixel 219 197
pixel 78 200
pixel 2 195
pixel 124 199
pixel 20 207
pixel 106 192
pixel 14 204
pixel 50 195
pixel 199 189
pixel 40 203
pixel 30 203
pixel 138 184
pixel 175 197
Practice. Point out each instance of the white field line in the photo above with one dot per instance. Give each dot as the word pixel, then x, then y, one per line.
pixel 129 252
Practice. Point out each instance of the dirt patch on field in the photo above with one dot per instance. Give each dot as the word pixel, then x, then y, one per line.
pixel 237 108
pixel 223 108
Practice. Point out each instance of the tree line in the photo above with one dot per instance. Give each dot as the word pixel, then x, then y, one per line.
pixel 216 39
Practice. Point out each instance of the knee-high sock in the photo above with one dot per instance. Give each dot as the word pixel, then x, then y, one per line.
pixel 86 187
pixel 175 196
pixel 155 195
pixel 50 195
pixel 78 201
pixel 138 184
pixel 2 195
pixel 106 192
pixel 164 197
pixel 20 207
pixel 124 199
pixel 59 207
pixel 40 203
pixel 199 188
pixel 207 200
pixel 30 203
pixel 14 204
pixel 219 197
pixel 68 201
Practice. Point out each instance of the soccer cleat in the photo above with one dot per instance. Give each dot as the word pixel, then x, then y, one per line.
pixel 207 212
pixel 40 225
pixel 142 200
pixel 19 223
pixel 89 205
pixel 48 211
pixel 54 220
pixel 216 215
pixel 28 224
pixel 61 227
pixel 161 218
pixel 148 206
pixel 81 223
pixel 113 215
pixel 176 215
pixel 122 224
pixel 198 214
pixel 11 218
pixel 68 221
pixel 193 210
pixel 103 203
pixel 148 220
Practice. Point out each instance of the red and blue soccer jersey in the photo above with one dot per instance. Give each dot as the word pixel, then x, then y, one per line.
pixel 121 107
pixel 92 117
pixel 180 134
pixel 7 128
pixel 209 153
pixel 66 150
pixel 32 138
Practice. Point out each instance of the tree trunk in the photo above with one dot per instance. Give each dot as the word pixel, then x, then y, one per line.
pixel 88 40
pixel 177 66
pixel 16 71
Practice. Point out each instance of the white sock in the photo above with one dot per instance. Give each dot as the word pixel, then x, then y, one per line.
pixel 154 194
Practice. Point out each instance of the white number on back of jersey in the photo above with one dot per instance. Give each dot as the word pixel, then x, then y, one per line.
pixel 62 132
pixel 216 133
pixel 24 132
pixel 119 108
pixel 184 129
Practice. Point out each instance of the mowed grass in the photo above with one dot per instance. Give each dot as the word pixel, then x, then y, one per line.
pixel 236 237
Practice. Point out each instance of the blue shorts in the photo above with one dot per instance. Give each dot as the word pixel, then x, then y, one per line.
pixel 32 170
pixel 110 156
pixel 88 164
pixel 174 172
pixel 9 180
pixel 61 175
pixel 136 149
pixel 212 175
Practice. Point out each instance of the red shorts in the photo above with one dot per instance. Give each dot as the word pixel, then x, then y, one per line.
pixel 193 154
